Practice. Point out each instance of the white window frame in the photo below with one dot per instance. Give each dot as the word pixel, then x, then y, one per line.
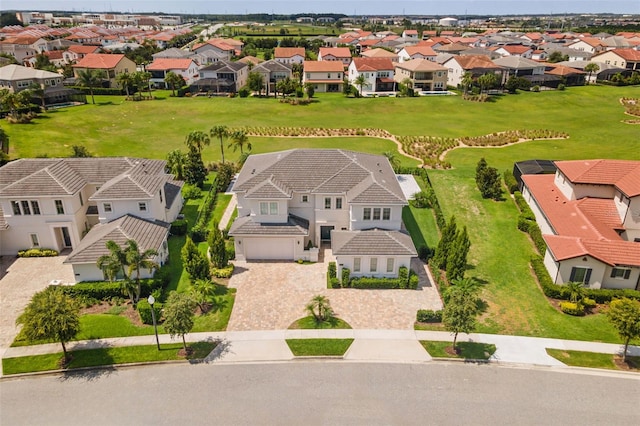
pixel 366 213
pixel 264 208
pixel 35 241
pixel 15 207
pixel 373 264
pixel 377 213
pixel 108 208
pixel 338 203
pixel 59 206
pixel 142 206
pixel 35 207
pixel 273 208
pixel 386 213
pixel 391 263
pixel 26 209
pixel 356 264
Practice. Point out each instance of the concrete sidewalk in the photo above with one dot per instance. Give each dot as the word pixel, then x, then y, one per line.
pixel 368 345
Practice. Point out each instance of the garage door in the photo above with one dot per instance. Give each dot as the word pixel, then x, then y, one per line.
pixel 268 248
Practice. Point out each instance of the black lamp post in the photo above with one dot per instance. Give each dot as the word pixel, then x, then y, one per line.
pixel 151 301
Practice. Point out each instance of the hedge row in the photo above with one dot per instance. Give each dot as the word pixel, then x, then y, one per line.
pixel 144 310
pixel 561 292
pixel 332 276
pixel 199 231
pixel 402 282
pixel 36 252
pixel 527 223
pixel 106 290
pixel 435 204
pixel 99 90
pixel 510 181
pixel 429 316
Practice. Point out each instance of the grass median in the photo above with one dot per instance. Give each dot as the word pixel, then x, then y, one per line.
pixel 319 347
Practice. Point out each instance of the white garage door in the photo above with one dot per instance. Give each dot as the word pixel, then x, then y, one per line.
pixel 268 248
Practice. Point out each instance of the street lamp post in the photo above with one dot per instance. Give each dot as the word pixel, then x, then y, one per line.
pixel 151 301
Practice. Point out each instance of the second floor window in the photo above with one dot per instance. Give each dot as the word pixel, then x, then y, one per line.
pixel 142 206
pixel 269 208
pixel 107 207
pixel 59 206
pixel 305 198
pixel 376 213
pixel 338 203
pixel 366 213
pixel 327 203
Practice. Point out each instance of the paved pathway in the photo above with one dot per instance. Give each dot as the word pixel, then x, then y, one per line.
pixel 226 216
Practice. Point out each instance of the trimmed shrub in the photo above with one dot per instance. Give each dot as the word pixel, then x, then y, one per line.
pixel 526 211
pixel 179 227
pixel 346 277
pixel 244 92
pixel 144 310
pixel 536 236
pixel 189 192
pixel 386 283
pixel 588 303
pixel 425 253
pixel 428 315
pixel 105 290
pixel 403 273
pixel 199 234
pixel 575 309
pixel 331 270
pixel 414 280
pixel 510 181
pixel 523 223
pixel 36 252
pixel 334 283
pixel 223 272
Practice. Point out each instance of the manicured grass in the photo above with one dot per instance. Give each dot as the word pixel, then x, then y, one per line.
pixel 421 224
pixel 319 347
pixel 222 201
pixel 591 359
pixel 310 323
pixel 217 318
pixel 106 356
pixel 467 350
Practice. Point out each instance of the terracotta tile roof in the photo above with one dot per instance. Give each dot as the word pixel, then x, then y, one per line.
pixel 565 216
pixel 623 174
pixel 323 66
pixel 516 49
pixel 562 70
pixel 372 242
pixel 54 54
pixel 369 42
pixel 288 52
pixel 99 61
pixel 250 59
pixel 627 54
pixel 422 50
pixel 469 62
pixel 613 253
pixel 373 64
pixel 412 32
pixel 591 41
pixel 162 64
pixel 337 52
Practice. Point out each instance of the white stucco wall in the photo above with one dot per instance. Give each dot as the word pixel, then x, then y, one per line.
pixel 347 262
pixel 357 222
pixel 598 270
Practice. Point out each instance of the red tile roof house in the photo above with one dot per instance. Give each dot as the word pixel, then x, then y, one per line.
pixel 110 64
pixel 342 54
pixel 326 76
pixel 589 215
pixel 378 73
pixel 289 55
pixel 160 67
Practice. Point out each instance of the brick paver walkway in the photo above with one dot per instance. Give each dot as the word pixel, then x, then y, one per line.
pixel 272 295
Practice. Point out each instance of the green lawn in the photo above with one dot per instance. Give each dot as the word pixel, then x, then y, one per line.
pixel 591 359
pixel 222 201
pixel 106 356
pixel 310 323
pixel 467 350
pixel 421 224
pixel 319 347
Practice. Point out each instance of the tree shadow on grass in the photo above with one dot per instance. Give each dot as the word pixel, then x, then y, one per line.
pixel 88 374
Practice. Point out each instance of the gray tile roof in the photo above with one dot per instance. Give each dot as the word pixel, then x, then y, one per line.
pixel 294 226
pixel 322 171
pixel 225 66
pixel 268 189
pixel 373 242
pixel 130 187
pixel 148 235
pixel 171 191
pixel 271 66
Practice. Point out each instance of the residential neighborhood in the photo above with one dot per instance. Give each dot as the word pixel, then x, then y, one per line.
pixel 210 191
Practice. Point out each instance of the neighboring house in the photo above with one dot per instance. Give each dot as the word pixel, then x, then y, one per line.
pixel 227 47
pixel 326 76
pixel 290 199
pixel 589 215
pixel 515 50
pixel 518 66
pixel 109 64
pixel 628 59
pixel 380 54
pixel 16 78
pixel 21 47
pixel 425 75
pixel 77 52
pixel 223 77
pixel 417 52
pixel 272 72
pixel 589 44
pixel 605 71
pixel 378 74
pixel 342 54
pixel 412 34
pixel 477 65
pixel 72 203
pixel 289 55
pixel 160 67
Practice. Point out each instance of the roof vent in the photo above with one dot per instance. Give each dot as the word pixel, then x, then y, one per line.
pixel 253 171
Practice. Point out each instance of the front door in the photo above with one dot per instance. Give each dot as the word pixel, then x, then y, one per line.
pixel 66 237
pixel 325 233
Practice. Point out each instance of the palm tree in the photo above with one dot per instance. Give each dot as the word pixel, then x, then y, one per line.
pixel 576 292
pixel 320 308
pixel 393 160
pixel 591 68
pixel 203 292
pixel 176 160
pixel 138 260
pixel 461 309
pixel 196 140
pixel 114 262
pixel 125 80
pixel 220 132
pixel 360 81
pixel 173 80
pixel 467 81
pixel 90 78
pixel 238 140
pixel 38 92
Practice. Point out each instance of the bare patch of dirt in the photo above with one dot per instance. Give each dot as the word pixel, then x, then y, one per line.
pixel 450 350
pixel 629 365
pixel 185 354
pixel 99 308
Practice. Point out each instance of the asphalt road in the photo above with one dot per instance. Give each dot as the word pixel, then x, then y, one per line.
pixel 322 393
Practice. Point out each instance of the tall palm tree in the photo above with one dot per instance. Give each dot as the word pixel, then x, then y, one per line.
pixel 114 262
pixel 137 260
pixel 220 132
pixel 174 80
pixel 90 78
pixel 176 160
pixel 466 82
pixel 38 92
pixel 591 68
pixel 238 140
pixel 125 80
pixel 197 140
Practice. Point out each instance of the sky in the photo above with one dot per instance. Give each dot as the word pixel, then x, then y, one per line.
pixel 348 7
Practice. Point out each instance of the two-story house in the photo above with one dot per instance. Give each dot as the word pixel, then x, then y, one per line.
pixel 272 72
pixel 223 77
pixel 75 203
pixel 589 215
pixel 110 65
pixel 378 74
pixel 326 76
pixel 477 65
pixel 290 199
pixel 424 75
pixel 341 54
pixel 289 55
pixel 629 59
pixel 417 52
pixel 187 68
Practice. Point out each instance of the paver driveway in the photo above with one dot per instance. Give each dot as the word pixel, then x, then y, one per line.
pixel 272 295
pixel 19 280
